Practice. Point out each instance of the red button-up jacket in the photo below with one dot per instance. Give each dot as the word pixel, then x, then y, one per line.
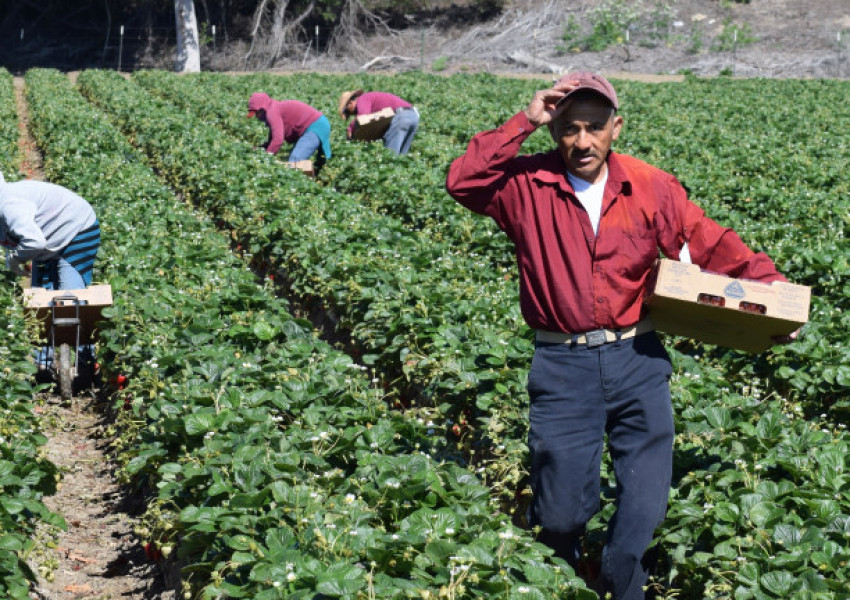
pixel 571 280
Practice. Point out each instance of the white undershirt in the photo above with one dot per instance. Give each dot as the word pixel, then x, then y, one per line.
pixel 590 196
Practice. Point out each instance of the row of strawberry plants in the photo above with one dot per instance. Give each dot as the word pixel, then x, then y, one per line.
pixel 438 372
pixel 9 155
pixel 741 440
pixel 25 475
pixel 412 183
pixel 649 122
pixel 781 181
pixel 401 298
pixel 385 183
pixel 496 410
pixel 413 192
pixel 279 470
pixel 456 353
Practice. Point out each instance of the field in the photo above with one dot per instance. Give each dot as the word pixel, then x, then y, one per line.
pixel 325 379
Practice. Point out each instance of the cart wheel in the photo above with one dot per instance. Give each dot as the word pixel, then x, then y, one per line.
pixel 66 373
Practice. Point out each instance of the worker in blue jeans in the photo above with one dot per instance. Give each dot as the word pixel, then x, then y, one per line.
pixel 578 395
pixel 402 129
pixel 587 225
pixel 294 122
pixel 54 229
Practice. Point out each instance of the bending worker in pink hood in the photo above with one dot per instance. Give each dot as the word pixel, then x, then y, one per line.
pixel 293 122
pixel 402 128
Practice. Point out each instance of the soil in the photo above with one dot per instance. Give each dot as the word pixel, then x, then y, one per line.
pixel 31 166
pixel 98 557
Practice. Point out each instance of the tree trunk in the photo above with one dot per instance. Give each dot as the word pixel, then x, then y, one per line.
pixel 277 37
pixel 188 49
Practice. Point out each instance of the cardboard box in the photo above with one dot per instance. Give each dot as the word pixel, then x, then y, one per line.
pixel 736 313
pixel 372 126
pixel 93 300
pixel 305 166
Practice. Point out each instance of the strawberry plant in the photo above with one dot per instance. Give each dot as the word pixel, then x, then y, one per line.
pixel 774 388
pixel 386 306
pixel 25 475
pixel 9 155
pixel 279 469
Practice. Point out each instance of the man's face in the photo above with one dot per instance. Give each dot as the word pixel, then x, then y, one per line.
pixel 584 132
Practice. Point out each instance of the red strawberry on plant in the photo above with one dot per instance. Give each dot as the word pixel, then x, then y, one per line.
pixel 152 553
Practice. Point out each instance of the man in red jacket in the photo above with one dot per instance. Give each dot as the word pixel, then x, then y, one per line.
pixel 587 225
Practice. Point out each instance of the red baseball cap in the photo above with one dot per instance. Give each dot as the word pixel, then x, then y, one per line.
pixel 593 82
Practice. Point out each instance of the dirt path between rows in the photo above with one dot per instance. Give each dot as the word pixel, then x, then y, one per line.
pixel 98 557
pixel 31 165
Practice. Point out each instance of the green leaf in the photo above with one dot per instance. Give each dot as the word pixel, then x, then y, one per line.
pixel 243 558
pixel 748 574
pixel 12 506
pixel 340 580
pixel 786 535
pixel 778 583
pixel 477 553
pixel 763 513
pixel 725 511
pixel 264 331
pixel 11 543
pixel 439 550
pixel 718 417
pixel 199 423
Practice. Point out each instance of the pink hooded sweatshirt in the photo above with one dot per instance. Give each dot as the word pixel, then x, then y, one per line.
pixel 287 120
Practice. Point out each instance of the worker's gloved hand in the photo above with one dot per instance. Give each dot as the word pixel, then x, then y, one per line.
pixel 15 266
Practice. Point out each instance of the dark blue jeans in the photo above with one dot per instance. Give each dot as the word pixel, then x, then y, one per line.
pixel 578 394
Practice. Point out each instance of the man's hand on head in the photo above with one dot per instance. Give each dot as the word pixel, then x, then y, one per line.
pixel 544 108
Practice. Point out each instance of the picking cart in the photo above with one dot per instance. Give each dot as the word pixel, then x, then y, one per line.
pixel 69 318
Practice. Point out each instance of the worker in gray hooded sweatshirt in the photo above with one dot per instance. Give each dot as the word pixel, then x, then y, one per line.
pixel 51 226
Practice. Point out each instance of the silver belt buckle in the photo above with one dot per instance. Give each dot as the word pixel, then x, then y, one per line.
pixel 595 338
